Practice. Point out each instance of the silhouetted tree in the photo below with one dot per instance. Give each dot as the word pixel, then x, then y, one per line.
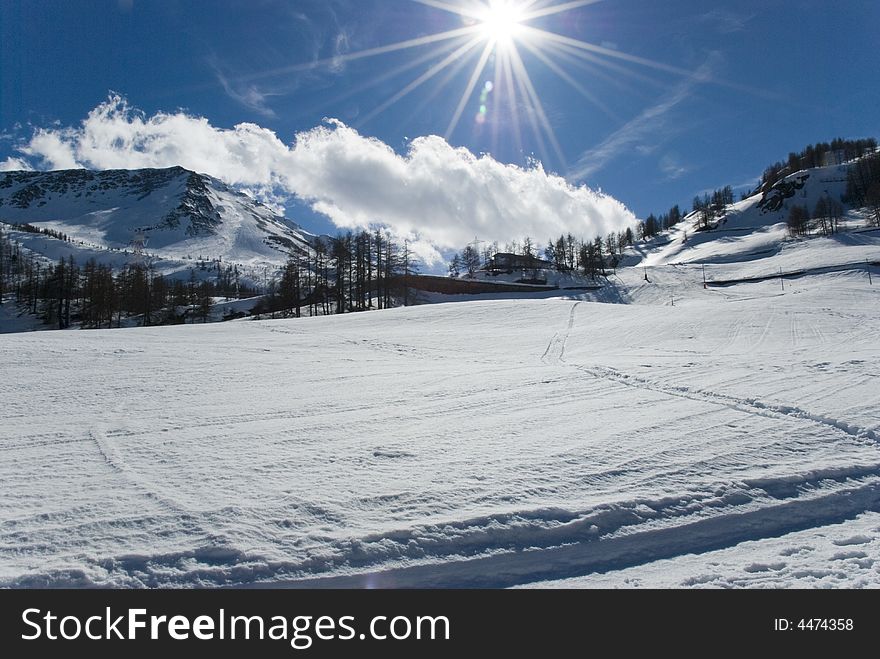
pixel 798 221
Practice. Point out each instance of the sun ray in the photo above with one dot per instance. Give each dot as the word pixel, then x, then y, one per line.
pixel 461 10
pixel 398 71
pixel 633 59
pixel 608 52
pixel 422 79
pixel 441 84
pixel 364 54
pixel 574 84
pixel 594 65
pixel 496 29
pixel 472 83
pixel 514 108
pixel 558 9
pixel 531 113
pixel 523 74
pixel 494 107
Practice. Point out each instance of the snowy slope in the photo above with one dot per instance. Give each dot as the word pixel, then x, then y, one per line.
pixel 182 215
pixel 844 555
pixel 751 229
pixel 494 443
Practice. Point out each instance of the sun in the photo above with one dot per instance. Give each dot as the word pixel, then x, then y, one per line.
pixel 502 21
pixel 496 34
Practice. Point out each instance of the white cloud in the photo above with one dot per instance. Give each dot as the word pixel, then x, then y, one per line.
pixel 14 164
pixel 50 147
pixel 436 194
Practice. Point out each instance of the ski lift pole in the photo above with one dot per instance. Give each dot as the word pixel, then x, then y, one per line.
pixel 868 267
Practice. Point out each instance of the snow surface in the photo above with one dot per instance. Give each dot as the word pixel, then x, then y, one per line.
pixel 493 443
pixel 14 319
pixel 844 555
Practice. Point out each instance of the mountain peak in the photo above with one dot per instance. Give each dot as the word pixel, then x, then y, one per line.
pixel 181 213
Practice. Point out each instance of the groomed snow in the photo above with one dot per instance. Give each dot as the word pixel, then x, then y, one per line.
pixel 844 555
pixel 491 443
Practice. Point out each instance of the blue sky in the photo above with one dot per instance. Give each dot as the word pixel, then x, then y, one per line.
pixel 680 95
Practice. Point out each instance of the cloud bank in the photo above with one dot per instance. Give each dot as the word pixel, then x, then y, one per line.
pixel 440 195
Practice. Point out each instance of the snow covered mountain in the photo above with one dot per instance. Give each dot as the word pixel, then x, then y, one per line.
pixel 178 213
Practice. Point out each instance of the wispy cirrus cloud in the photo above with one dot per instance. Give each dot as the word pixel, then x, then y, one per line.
pixel 726 21
pixel 643 132
pixel 246 94
pixel 672 167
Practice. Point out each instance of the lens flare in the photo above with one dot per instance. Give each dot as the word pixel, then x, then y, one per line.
pixel 492 34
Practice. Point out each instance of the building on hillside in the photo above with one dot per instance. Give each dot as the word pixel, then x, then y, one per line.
pixel 832 158
pixel 508 263
pixel 530 269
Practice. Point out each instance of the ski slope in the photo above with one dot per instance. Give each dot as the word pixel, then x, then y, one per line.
pixel 494 443
pixel 840 555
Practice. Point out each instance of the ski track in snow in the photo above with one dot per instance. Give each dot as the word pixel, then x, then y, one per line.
pixel 444 446
pixel 749 405
pixel 555 353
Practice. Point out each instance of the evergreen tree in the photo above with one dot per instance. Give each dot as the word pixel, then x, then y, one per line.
pixel 455 267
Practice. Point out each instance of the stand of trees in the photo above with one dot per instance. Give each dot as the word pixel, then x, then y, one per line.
pixel 30 228
pixel 94 296
pixel 815 156
pixel 353 272
pixel 710 207
pixel 824 219
pixel 350 273
pixel 654 224
pixel 567 254
pixel 590 257
pixel 863 186
pixel 827 216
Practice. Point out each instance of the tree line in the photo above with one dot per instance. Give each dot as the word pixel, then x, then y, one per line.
pixel 30 228
pixel 710 207
pixel 814 156
pixel 863 186
pixel 824 219
pixel 592 258
pixel 654 224
pixel 353 272
pixel 95 296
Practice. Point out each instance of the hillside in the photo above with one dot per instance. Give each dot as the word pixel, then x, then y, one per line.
pixel 484 444
pixel 181 216
pixel 752 235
